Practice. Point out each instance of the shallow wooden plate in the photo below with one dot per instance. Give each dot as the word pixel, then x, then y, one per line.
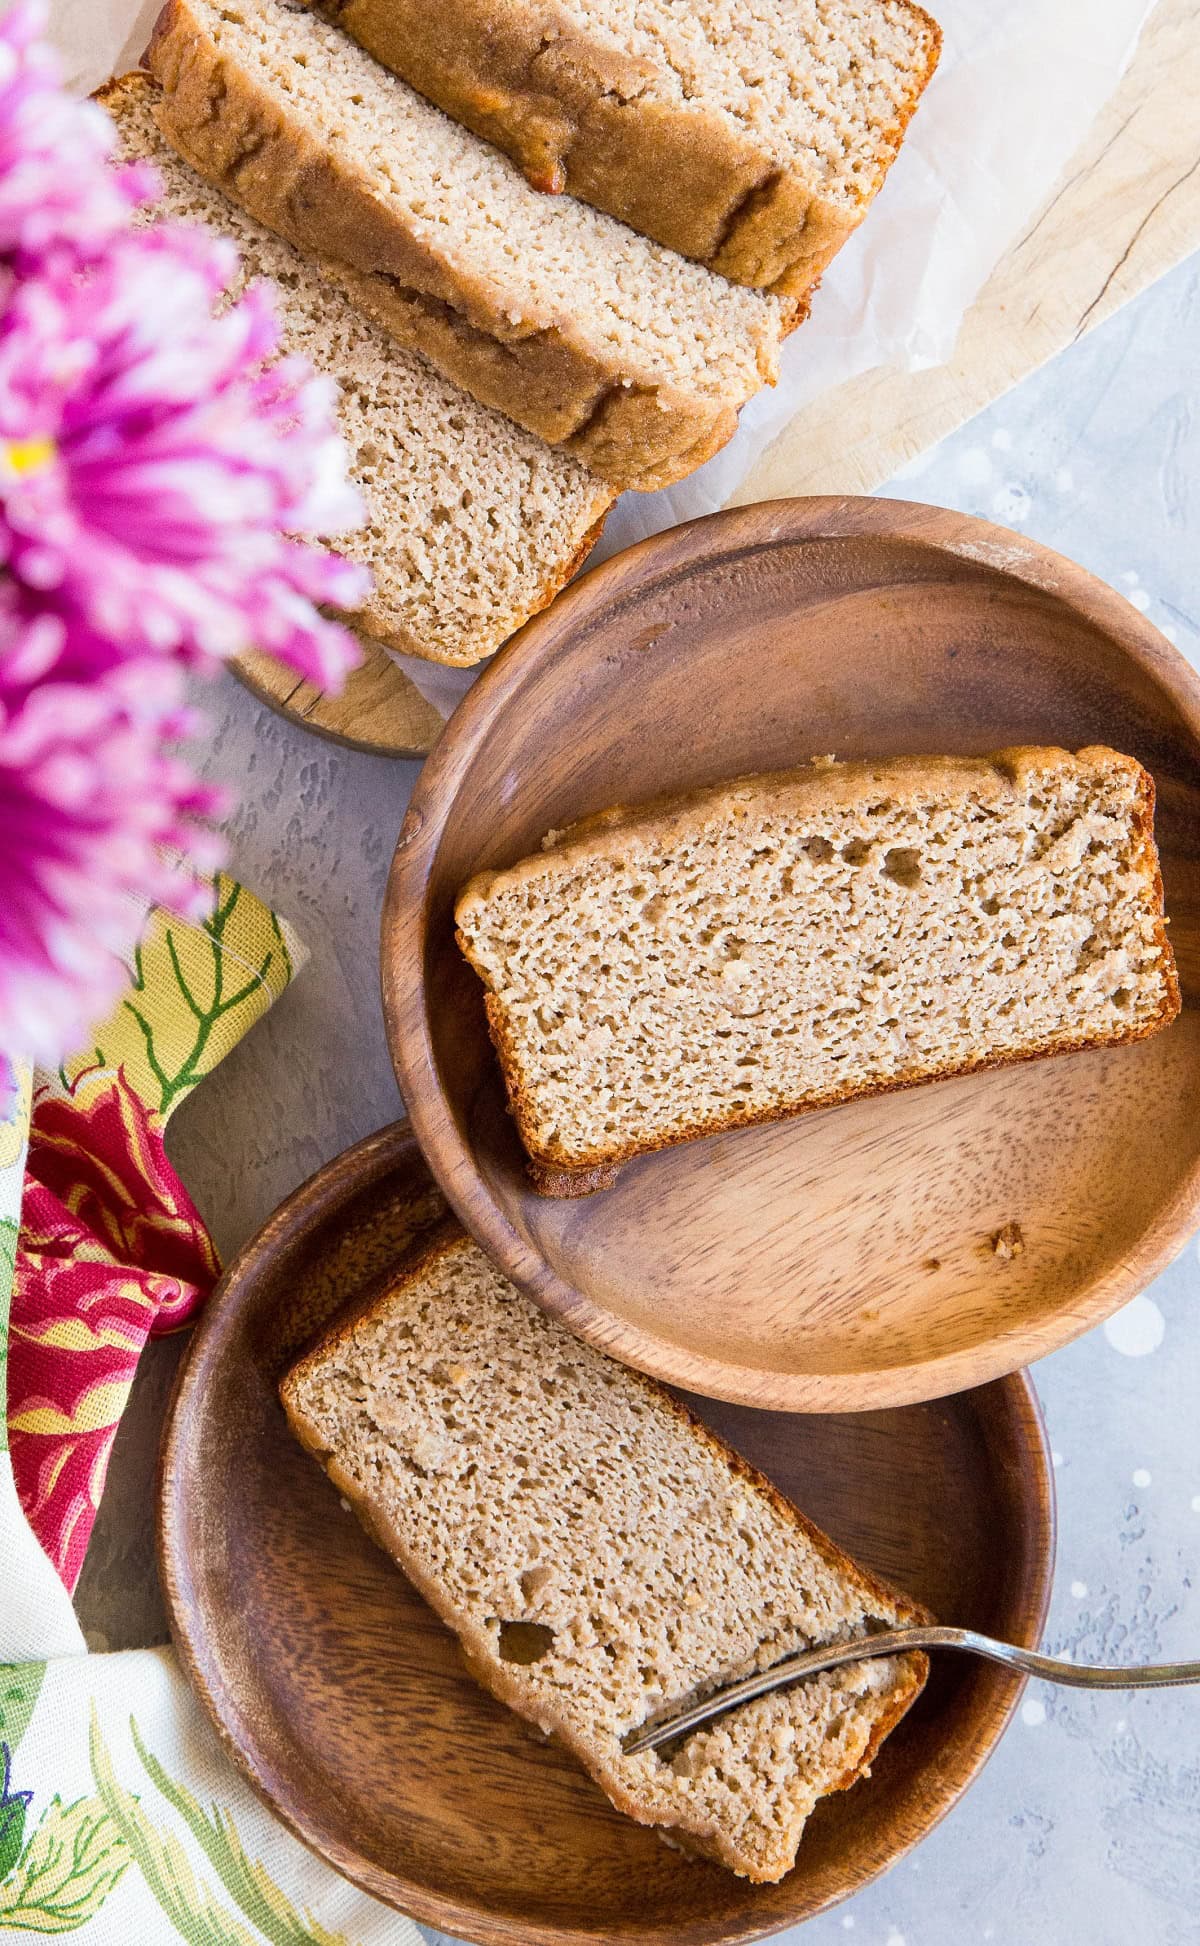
pixel 343 1699
pixel 844 1259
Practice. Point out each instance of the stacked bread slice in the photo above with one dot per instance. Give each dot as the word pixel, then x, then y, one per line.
pixel 472 523
pixel 442 289
pixel 510 360
pixel 619 351
pixel 751 137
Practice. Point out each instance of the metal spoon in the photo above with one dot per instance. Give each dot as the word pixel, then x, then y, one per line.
pixel 867 1648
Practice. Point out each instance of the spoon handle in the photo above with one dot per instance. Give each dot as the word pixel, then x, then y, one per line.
pixel 867 1648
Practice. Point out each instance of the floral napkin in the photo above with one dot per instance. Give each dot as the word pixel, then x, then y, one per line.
pixel 120 1817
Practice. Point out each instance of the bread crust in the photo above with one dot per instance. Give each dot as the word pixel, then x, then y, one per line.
pixel 575 112
pixel 703 1836
pixel 555 1173
pixel 631 429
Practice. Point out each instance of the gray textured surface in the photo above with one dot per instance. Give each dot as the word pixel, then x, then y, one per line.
pixel 1085 1828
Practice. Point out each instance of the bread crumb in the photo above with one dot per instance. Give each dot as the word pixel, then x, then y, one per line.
pixel 1008 1242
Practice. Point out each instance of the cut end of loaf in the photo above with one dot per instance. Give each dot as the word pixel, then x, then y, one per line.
pixel 789 942
pixel 600 1555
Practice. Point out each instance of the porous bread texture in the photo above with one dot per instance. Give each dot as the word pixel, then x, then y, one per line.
pixel 627 355
pixel 600 1554
pixel 749 134
pixel 473 525
pixel 790 941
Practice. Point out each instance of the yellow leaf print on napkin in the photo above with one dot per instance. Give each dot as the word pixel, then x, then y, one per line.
pixel 196 988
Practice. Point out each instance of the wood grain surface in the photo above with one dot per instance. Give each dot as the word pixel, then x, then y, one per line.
pixel 1126 211
pixel 851 1258
pixel 344 1700
pixel 378 710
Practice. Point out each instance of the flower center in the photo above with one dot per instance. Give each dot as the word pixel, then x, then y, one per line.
pixel 21 457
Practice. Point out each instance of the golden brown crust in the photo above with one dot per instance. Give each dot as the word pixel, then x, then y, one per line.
pixel 550 1180
pixel 123 87
pixel 704 1837
pixel 544 373
pixel 554 1173
pixel 576 113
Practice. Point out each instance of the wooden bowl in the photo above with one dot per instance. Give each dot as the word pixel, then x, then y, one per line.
pixel 844 1259
pixel 344 1701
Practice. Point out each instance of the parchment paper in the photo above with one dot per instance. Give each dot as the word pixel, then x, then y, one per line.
pixel 1018 85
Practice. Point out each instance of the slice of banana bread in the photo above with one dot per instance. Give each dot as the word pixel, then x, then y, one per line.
pixel 599 1553
pixel 791 941
pixel 473 525
pixel 631 358
pixel 750 136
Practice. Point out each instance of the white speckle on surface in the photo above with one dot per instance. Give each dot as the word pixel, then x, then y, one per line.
pixel 1056 1458
pixel 343 1504
pixel 974 466
pixel 894 1938
pixel 1033 1713
pixel 1064 480
pixel 1172 634
pixel 1196 1503
pixel 1137 1328
pixel 1079 1589
pixel 1141 1477
pixel 1139 599
pixel 1120 1726
pixel 1002 439
pixel 1130 577
pixel 848 1922
pixel 1011 503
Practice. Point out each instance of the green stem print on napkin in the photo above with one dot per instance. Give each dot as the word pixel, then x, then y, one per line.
pixel 55 1876
pixel 245 1880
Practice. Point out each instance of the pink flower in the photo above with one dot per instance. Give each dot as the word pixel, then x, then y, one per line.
pixel 96 810
pixel 56 194
pixel 163 477
pixel 154 462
